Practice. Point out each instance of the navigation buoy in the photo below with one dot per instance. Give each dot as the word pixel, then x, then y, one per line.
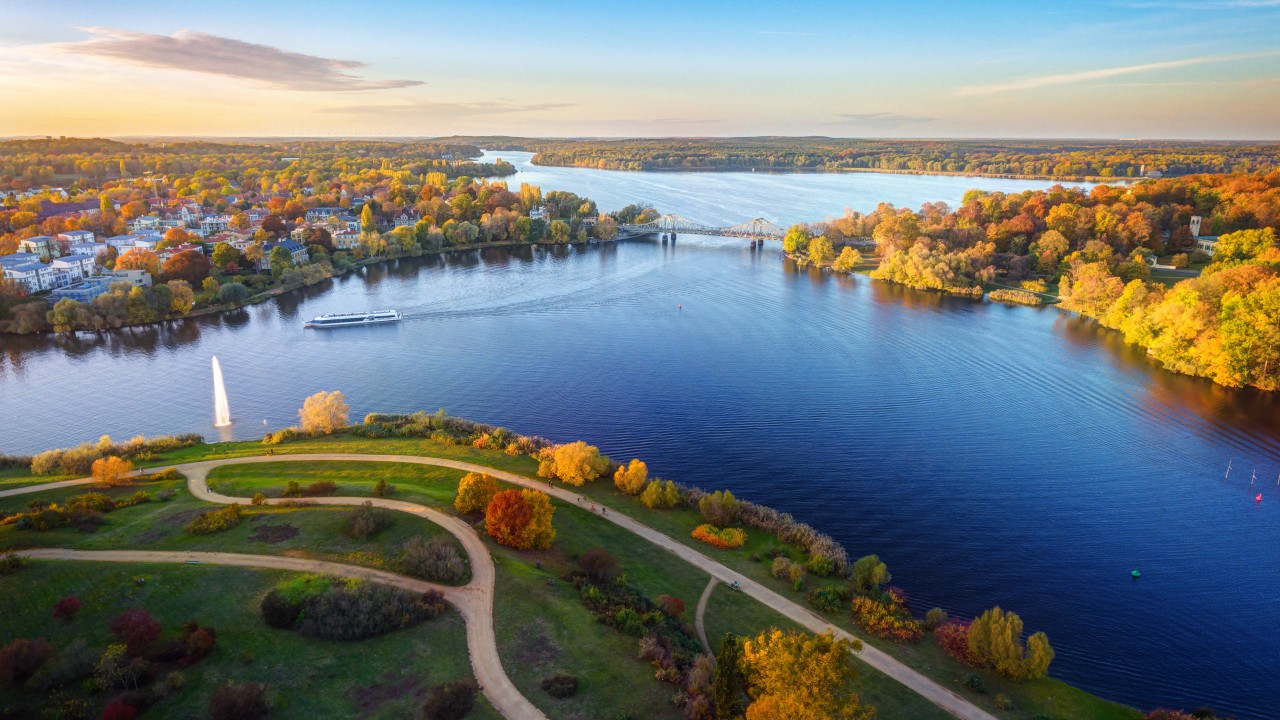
pixel 1135 573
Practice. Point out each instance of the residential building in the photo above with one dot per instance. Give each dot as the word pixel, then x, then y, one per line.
pixel 35 276
pixel 145 222
pixel 84 291
pixel 405 218
pixel 73 268
pixel 346 239
pixel 211 224
pixel 1207 244
pixel 538 213
pixel 171 251
pixel 297 252
pixel 40 245
pixel 139 278
pixel 322 213
pixel 92 249
pixel 76 236
pixel 257 215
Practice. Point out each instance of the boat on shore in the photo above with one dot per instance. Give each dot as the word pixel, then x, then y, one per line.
pixel 333 320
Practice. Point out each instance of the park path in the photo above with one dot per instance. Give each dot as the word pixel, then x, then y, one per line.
pixel 485 647
pixel 697 616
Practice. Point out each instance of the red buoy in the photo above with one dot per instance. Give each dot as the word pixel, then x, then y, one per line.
pixel 1258 498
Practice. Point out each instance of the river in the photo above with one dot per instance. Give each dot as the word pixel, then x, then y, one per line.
pixel 989 454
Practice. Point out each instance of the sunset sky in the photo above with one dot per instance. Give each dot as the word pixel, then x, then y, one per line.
pixel 1193 69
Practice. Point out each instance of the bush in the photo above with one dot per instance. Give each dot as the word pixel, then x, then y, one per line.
pixel 574 463
pixel 280 611
pixel 725 539
pixel 660 495
pixel 383 489
pixel 215 521
pixel 92 501
pixel 672 607
pixel 560 685
pixel 21 659
pixel 598 564
pixel 953 637
pixel 361 610
pixel 631 478
pixel 1002 702
pixel 521 519
pixel 869 574
pixel 887 617
pixel 935 618
pixel 136 629
pixel 451 700
pixel 11 563
pixel 365 520
pixel 435 559
pixel 830 599
pixel 291 490
pixel 112 471
pixel 974 682
pixel 320 488
pixel 238 701
pixel 820 565
pixel 719 508
pixel 1016 297
pixel 258 499
pixel 66 608
pixel 781 567
pixel 74 662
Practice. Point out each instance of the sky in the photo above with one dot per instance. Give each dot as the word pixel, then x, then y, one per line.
pixel 1184 69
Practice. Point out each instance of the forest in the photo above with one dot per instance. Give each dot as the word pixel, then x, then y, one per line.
pixel 1053 159
pixel 1223 324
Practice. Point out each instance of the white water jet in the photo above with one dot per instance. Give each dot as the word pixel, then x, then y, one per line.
pixel 221 410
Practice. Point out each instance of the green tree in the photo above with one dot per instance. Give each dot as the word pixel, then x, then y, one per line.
pixel 729 686
pixel 224 254
pixel 870 574
pixel 995 641
pixel 559 232
pixel 796 240
pixel 280 260
pixel 233 293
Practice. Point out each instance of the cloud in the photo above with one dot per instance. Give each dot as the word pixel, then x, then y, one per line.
pixel 879 119
pixel 1040 81
pixel 203 53
pixel 430 108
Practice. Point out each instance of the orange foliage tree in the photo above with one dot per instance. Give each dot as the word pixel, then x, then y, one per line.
pixel 139 259
pixel 111 471
pixel 631 478
pixel 520 519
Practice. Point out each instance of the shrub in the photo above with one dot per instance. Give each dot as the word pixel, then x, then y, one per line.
pixel 258 499
pixel 365 520
pixel 935 618
pixel 869 574
pixel 140 497
pixel 886 618
pixel 92 501
pixel 215 521
pixel 719 508
pixel 451 700
pixel 781 567
pixel 475 492
pixel 320 488
pixel 361 610
pixel 21 659
pixel 1016 297
pixel 238 701
pixel 574 463
pixel 435 559
pixel 46 463
pixel 725 539
pixel 974 682
pixel 660 495
pixel 72 663
pixel 1002 702
pixel 598 564
pixel 631 478
pixel 672 607
pixel 11 563
pixel 291 490
pixel 280 611
pixel 383 489
pixel 953 637
pixel 136 629
pixel 829 599
pixel 112 471
pixel 66 608
pixel 820 565
pixel 995 641
pixel 560 685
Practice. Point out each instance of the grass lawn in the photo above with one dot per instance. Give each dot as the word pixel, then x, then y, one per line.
pixel 431 486
pixel 382 677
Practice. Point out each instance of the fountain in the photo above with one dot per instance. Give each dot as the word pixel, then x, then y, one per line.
pixel 221 410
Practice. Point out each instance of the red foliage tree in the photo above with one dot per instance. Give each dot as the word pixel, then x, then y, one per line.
pixel 275 225
pixel 189 265
pixel 953 637
pixel 136 629
pixel 66 608
pixel 21 658
pixel 672 606
pixel 507 517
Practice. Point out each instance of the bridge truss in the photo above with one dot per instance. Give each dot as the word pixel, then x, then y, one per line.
pixel 758 229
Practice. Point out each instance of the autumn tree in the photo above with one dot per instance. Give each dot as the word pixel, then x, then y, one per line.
pixel 821 251
pixel 139 259
pixel 720 508
pixel 995 641
pixel 324 412
pixel 172 237
pixel 1240 247
pixel 606 228
pixel 797 676
pixel 869 574
pixel 111 471
pixel 224 254
pixel 797 239
pixel 848 259
pixel 573 463
pixel 559 231
pixel 183 298
pixel 367 222
pixel 631 478
pixel 520 519
pixel 189 265
pixel 475 492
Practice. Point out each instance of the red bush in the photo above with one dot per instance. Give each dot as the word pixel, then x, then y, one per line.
pixel 136 629
pixel 21 658
pixel 119 710
pixel 953 637
pixel 66 608
pixel 672 606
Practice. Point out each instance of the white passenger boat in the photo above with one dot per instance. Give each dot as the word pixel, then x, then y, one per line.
pixel 348 319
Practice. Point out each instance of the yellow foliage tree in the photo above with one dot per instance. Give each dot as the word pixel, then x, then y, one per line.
pixel 574 463
pixel 111 471
pixel 324 412
pixel 631 478
pixel 540 533
pixel 475 491
pixel 797 676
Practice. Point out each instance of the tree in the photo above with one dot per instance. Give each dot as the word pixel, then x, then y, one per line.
pixel 280 260
pixel 631 478
pixel 995 641
pixel 797 676
pixel 111 471
pixel 598 564
pixel 475 492
pixel 189 265
pixel 559 232
pixel 233 293
pixel 172 237
pixel 720 508
pixel 729 686
pixel 606 228
pixel 573 463
pixel 450 701
pixel 660 494
pixel 821 251
pixel 139 259
pixel 849 259
pixel 136 629
pixel 869 574
pixel 224 254
pixel 67 314
pixel 521 519
pixel 324 412
pixel 796 240
pixel 183 298
pixel 274 225
pixel 367 222
pixel 1240 247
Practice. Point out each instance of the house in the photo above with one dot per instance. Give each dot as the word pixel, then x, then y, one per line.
pixel 40 245
pixel 35 276
pixel 122 243
pixel 299 234
pixel 322 213
pixel 211 224
pixel 297 253
pixel 18 258
pixel 50 209
pixel 346 239
pixel 145 222
pixel 171 251
pixel 1207 244
pixel 84 291
pixel 76 236
pixel 351 221
pixel 138 278
pixel 92 249
pixel 590 220
pixel 257 215
pixel 405 218
pixel 71 269
pixel 538 213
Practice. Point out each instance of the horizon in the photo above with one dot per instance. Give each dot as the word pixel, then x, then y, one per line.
pixel 1163 71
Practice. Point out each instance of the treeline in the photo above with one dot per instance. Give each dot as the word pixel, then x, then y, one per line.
pixel 1224 325
pixel 1050 159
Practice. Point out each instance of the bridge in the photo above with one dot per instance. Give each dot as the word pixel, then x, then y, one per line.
pixel 758 229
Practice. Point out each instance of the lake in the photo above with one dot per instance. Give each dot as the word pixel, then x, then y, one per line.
pixel 989 454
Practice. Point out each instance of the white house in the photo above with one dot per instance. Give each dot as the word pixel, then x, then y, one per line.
pixel 41 245
pixel 1207 244
pixel 35 276
pixel 322 213
pixel 92 249
pixel 72 269
pixel 211 224
pixel 76 236
pixel 145 222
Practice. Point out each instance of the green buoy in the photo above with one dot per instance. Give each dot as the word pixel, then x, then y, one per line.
pixel 1135 573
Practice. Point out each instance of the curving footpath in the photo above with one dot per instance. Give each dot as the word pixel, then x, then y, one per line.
pixel 702 610
pixel 480 635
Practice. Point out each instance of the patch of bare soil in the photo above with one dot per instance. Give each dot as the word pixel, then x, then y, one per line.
pixel 369 698
pixel 273 534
